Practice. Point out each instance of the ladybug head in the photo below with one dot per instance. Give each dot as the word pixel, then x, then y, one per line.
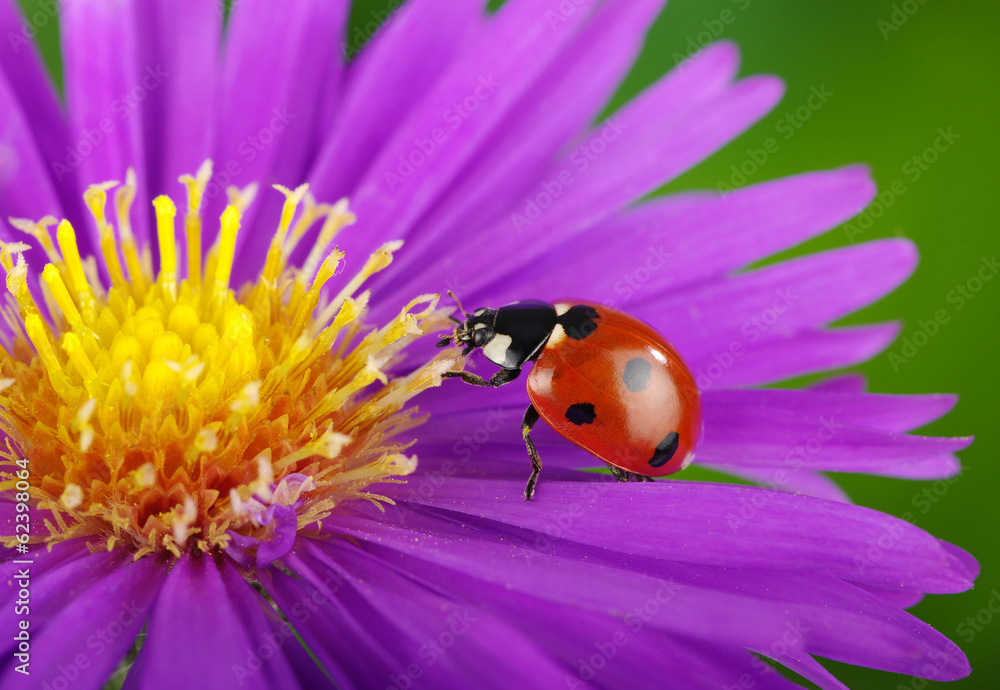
pixel 476 331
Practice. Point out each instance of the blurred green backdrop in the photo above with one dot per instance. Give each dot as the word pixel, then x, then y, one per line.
pixel 897 72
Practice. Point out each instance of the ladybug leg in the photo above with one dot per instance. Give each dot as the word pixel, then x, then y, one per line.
pixel 530 417
pixel 498 379
pixel 626 476
pixel 620 474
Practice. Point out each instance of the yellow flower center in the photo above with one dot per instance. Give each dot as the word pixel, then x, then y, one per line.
pixel 163 413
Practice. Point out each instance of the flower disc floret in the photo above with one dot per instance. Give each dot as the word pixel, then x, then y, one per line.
pixel 170 413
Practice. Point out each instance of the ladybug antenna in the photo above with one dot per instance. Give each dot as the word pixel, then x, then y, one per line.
pixel 459 303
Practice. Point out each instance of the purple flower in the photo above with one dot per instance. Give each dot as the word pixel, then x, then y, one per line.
pixel 227 467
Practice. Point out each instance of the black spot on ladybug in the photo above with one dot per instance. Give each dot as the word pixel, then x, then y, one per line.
pixel 665 450
pixel 637 373
pixel 579 321
pixel 581 413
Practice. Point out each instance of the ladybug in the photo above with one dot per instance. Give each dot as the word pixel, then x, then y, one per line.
pixel 605 380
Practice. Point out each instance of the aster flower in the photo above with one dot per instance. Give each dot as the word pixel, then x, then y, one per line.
pixel 211 423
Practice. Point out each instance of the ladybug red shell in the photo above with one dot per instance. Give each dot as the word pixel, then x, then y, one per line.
pixel 606 381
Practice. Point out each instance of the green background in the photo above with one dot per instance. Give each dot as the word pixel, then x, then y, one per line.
pixel 893 84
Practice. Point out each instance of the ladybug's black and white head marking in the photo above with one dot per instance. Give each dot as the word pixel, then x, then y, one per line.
pixel 509 336
pixel 476 331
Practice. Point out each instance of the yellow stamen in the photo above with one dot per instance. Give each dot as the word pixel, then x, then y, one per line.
pixel 53 279
pixel 337 219
pixel 227 252
pixel 8 250
pixel 66 237
pixel 164 413
pixel 310 214
pixel 273 261
pixel 96 198
pixel 165 214
pixel 124 198
pixel 196 186
pixel 40 231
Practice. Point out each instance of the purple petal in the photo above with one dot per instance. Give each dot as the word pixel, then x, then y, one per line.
pixel 718 605
pixel 778 301
pixel 808 668
pixel 650 152
pixel 941 467
pixel 205 632
pixel 695 236
pixel 843 383
pixel 710 524
pixel 675 124
pixel 101 622
pixel 897 597
pixel 505 461
pixel 26 188
pixel 57 587
pixel 286 525
pixel 104 76
pixel 40 558
pixel 406 616
pixel 334 629
pixel 557 110
pixel 519 44
pixel 35 93
pixel 898 413
pixel 758 431
pixel 796 481
pixel 180 49
pixel 391 76
pixel 259 101
pixel 317 79
pixel 805 353
pixel 536 564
